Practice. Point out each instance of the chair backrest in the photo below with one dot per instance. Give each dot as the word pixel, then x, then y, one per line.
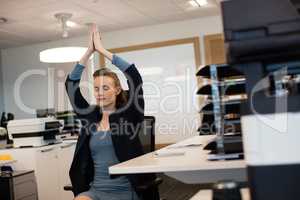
pixel 147 134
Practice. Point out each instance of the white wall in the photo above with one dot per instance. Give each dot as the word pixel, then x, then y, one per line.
pixel 176 30
pixel 16 61
pixel 34 92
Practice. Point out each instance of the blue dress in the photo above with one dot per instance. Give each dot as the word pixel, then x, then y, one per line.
pixel 103 187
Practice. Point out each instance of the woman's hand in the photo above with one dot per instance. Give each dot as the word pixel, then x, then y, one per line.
pixel 90 50
pixel 99 46
pixel 97 41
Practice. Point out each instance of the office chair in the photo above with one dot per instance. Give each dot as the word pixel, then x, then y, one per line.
pixel 147 137
pixel 147 134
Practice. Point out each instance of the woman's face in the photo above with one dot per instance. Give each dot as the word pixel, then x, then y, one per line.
pixel 105 91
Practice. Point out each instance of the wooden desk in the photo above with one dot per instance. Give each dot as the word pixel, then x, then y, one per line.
pixel 191 168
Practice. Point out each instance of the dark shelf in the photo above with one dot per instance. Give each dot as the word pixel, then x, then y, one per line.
pixel 228 129
pixel 208 108
pixel 204 71
pixel 205 90
pixel 230 95
pixel 226 89
pixel 232 121
pixel 234 89
pixel 223 71
pixel 230 108
pixel 232 128
pixel 233 101
pixel 236 80
pixel 208 119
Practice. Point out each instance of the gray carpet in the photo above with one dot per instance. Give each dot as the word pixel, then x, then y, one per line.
pixel 172 189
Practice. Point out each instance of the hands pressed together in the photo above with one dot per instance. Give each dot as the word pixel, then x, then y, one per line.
pixel 95 44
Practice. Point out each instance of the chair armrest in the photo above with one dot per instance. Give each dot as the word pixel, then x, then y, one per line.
pixel 68 187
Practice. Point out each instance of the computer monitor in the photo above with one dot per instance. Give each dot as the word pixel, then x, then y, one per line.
pixel 256 30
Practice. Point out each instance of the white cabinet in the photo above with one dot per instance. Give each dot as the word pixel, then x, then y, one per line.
pixel 47 173
pixel 51 166
pixel 65 158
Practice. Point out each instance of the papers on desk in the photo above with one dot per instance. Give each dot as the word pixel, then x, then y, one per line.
pixel 233 156
pixel 169 152
pixel 185 144
pixel 178 149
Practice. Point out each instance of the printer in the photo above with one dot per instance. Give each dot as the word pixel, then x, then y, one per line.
pixel 35 132
pixel 72 125
pixel 263 41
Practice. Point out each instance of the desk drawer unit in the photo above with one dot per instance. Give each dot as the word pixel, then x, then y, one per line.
pixel 18 186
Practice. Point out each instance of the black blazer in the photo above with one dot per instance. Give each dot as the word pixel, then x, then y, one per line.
pixel 124 124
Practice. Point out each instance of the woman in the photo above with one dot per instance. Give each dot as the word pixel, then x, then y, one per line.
pixel 110 131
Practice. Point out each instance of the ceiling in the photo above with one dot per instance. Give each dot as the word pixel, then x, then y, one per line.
pixel 32 21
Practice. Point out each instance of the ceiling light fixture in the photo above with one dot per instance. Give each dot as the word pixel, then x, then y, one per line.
pixel 63 54
pixel 63 19
pixel 71 24
pixel 198 3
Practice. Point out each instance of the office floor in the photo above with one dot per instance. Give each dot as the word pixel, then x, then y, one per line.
pixel 172 189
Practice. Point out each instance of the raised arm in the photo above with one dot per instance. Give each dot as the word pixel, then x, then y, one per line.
pixel 80 105
pixel 134 79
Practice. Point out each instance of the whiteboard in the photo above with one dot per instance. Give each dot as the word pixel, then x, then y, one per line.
pixel 170 86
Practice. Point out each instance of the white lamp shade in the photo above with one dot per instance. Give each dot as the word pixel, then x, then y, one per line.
pixel 62 54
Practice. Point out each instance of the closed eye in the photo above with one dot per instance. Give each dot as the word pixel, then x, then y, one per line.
pixel 105 87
